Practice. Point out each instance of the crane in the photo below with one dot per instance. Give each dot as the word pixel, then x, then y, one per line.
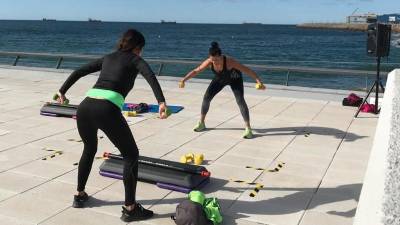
pixel 354 11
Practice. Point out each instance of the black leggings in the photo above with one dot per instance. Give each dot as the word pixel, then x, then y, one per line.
pixel 94 114
pixel 217 85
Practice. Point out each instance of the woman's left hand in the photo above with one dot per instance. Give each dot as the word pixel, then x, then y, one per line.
pixel 260 85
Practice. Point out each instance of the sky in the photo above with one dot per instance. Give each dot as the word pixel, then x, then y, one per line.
pixel 195 11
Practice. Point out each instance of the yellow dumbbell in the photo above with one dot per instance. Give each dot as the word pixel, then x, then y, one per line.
pixel 198 159
pixel 260 86
pixel 187 158
pixel 130 113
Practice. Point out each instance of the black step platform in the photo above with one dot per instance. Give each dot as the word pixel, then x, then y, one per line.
pixel 161 171
pixel 58 110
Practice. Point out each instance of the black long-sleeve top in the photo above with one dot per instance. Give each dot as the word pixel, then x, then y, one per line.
pixel 118 73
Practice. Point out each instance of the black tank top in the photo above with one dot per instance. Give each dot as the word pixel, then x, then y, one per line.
pixel 226 74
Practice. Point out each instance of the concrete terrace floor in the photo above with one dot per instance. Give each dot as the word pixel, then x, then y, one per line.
pixel 325 151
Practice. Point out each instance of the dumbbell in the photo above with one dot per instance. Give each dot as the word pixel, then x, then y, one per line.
pixel 56 96
pixel 181 84
pixel 166 113
pixel 260 86
pixel 187 158
pixel 197 159
pixel 130 113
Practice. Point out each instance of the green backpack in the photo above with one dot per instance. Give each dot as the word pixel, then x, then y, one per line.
pixel 198 210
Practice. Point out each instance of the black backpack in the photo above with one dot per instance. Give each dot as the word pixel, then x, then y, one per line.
pixel 190 213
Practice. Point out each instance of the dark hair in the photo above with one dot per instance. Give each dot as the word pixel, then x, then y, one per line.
pixel 214 49
pixel 130 40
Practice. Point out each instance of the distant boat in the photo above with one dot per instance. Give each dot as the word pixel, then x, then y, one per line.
pixel 246 23
pixel 45 19
pixel 168 22
pixel 94 20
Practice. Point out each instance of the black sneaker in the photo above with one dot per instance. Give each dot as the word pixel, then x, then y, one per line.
pixel 79 200
pixel 138 213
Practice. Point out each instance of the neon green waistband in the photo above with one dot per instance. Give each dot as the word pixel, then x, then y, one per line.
pixel 109 95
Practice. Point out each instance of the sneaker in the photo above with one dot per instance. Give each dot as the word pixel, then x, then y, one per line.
pixel 248 134
pixel 79 200
pixel 138 213
pixel 199 127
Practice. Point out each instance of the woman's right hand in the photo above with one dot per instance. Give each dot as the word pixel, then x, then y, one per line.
pixel 182 84
pixel 162 110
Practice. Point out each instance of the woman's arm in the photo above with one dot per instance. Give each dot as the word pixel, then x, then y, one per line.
pixel 197 70
pixel 79 73
pixel 150 77
pixel 244 69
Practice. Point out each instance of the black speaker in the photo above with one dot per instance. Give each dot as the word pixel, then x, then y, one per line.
pixel 384 32
pixel 378 39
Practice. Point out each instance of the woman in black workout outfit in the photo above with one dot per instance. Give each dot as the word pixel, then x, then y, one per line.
pixel 101 109
pixel 227 72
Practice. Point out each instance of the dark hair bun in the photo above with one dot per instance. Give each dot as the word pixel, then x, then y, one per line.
pixel 131 39
pixel 214 44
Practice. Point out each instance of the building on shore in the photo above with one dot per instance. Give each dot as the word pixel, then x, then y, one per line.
pixel 389 18
pixel 360 18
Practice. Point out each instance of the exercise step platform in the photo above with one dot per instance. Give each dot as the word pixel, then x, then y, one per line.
pixel 58 110
pixel 166 174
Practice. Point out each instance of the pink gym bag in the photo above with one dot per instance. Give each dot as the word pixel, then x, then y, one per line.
pixel 368 108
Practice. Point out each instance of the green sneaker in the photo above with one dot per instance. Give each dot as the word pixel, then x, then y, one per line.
pixel 199 127
pixel 248 134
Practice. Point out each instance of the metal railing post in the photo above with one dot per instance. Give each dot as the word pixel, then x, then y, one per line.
pixel 59 62
pixel 160 69
pixel 287 78
pixel 16 60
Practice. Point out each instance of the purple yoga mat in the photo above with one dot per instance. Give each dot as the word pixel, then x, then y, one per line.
pixel 173 187
pixel 111 175
pixel 182 189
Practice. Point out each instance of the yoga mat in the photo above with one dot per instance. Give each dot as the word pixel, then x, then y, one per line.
pixel 173 187
pixel 173 108
pixel 111 175
pixel 153 108
pixel 186 190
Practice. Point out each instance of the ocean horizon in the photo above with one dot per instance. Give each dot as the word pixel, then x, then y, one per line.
pixel 262 44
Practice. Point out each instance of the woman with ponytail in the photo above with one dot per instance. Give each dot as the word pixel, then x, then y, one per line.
pixel 101 109
pixel 227 71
